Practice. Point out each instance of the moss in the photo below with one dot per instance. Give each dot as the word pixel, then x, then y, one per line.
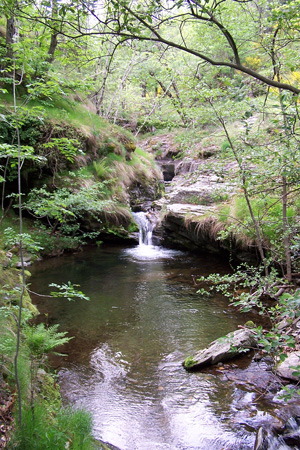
pixel 189 362
pixel 130 146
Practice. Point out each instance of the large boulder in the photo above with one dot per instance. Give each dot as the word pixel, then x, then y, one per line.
pixel 222 349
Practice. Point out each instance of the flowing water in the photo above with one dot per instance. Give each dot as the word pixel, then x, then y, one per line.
pixel 145 228
pixel 124 363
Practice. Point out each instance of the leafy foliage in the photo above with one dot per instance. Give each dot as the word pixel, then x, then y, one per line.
pixel 14 240
pixel 69 148
pixel 64 208
pixel 68 291
pixel 29 121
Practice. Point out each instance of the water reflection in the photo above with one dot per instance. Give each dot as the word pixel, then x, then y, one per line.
pixel 124 364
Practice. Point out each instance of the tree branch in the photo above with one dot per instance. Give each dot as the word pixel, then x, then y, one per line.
pixel 113 27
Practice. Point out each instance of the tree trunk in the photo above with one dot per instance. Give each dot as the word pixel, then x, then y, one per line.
pixel 54 34
pixel 10 32
pixel 99 96
pixel 285 223
pixel 52 47
pixel 286 231
pixel 175 100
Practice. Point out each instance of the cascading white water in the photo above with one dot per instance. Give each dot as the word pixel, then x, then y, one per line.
pixel 145 228
pixel 266 439
pixel 146 250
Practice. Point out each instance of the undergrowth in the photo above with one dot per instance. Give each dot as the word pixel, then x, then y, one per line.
pixel 67 429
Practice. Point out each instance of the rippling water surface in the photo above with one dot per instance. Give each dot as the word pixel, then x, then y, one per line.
pixel 124 363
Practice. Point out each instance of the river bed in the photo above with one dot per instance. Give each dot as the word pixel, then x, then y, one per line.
pixel 124 362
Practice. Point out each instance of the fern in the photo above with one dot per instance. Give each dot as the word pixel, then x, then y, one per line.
pixel 41 340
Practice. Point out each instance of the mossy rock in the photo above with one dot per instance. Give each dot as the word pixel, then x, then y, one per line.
pixel 189 362
pixel 99 445
pixel 128 143
pixel 130 147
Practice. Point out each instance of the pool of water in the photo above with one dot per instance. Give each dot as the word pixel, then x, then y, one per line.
pixel 124 363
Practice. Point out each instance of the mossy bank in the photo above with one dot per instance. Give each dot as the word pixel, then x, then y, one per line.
pixel 81 176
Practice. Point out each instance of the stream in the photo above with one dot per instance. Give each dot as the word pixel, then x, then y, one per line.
pixel 124 363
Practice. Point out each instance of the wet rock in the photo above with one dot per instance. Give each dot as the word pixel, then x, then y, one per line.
pixel 27 260
pixel 292 439
pixel 100 445
pixel 288 437
pixel 222 349
pixel 142 194
pixel 285 369
pixel 259 441
pixel 182 228
pixel 168 170
pixel 291 434
pixel 257 376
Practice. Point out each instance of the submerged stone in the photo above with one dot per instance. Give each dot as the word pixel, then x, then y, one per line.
pixel 222 349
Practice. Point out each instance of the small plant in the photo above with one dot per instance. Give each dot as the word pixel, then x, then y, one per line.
pixel 41 340
pixel 101 169
pixel 194 200
pixel 225 146
pixel 219 196
pixel 68 430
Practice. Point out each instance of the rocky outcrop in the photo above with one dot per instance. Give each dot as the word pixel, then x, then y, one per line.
pixel 190 218
pixel 195 185
pixel 191 227
pixel 223 349
pixel 142 194
pixel 198 185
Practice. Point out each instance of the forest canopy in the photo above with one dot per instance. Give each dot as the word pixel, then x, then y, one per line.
pixel 256 38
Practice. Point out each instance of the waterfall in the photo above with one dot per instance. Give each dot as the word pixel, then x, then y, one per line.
pixel 146 251
pixel 267 439
pixel 145 228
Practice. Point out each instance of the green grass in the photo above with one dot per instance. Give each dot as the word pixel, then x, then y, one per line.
pixel 140 152
pixel 66 110
pixel 72 112
pixel 267 211
pixel 113 157
pixel 44 431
